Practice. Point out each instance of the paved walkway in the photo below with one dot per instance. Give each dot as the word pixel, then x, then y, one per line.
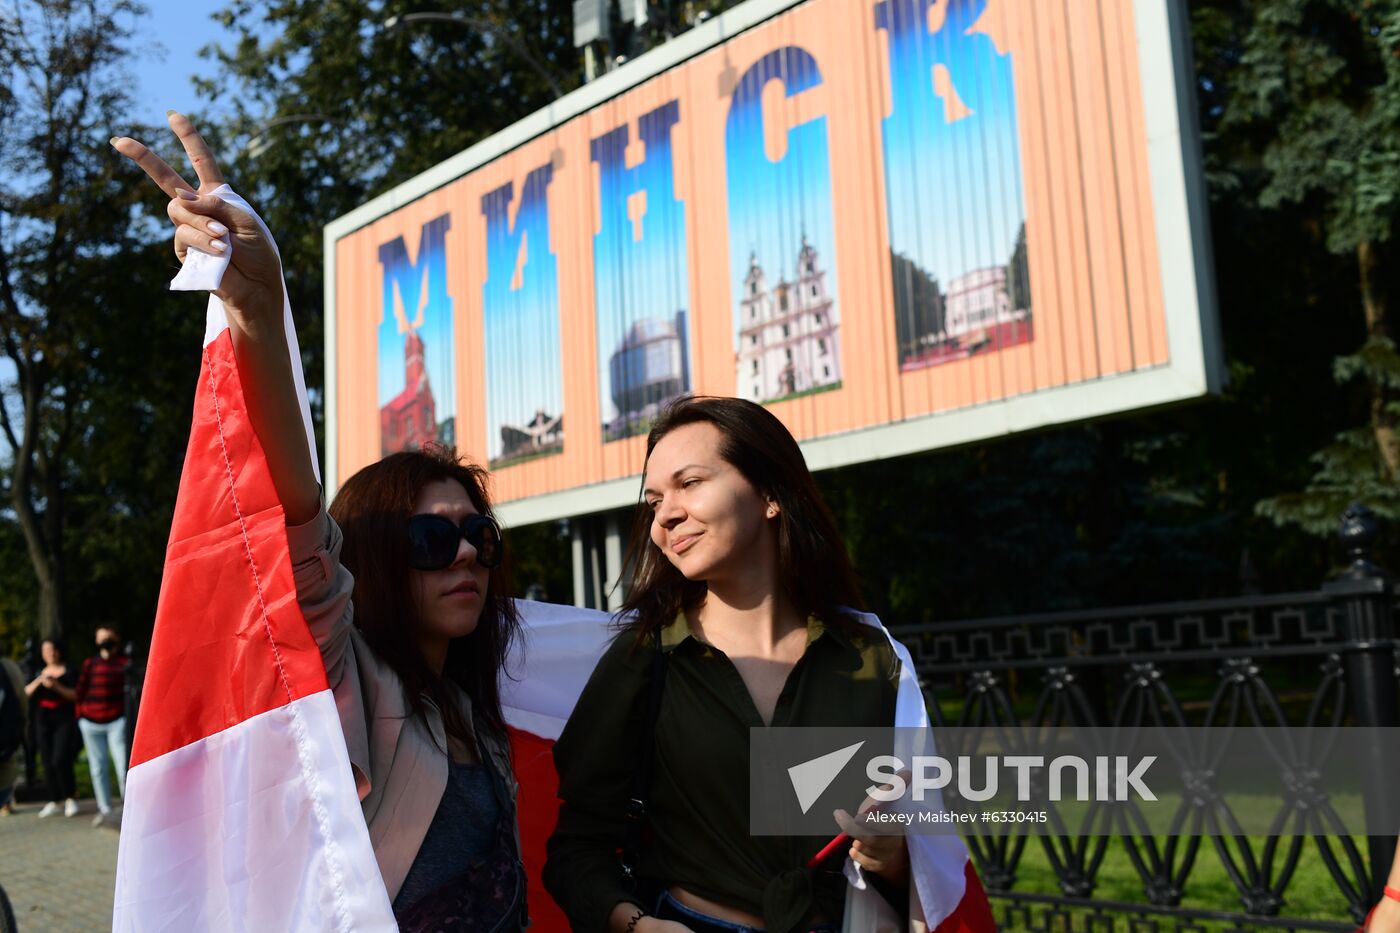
pixel 58 873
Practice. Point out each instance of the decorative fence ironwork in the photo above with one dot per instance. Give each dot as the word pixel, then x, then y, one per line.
pixel 1323 659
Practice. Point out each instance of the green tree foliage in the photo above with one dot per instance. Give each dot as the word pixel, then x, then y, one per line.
pixel 92 434
pixel 1316 105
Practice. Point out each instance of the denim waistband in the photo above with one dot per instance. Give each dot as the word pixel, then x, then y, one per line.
pixel 668 908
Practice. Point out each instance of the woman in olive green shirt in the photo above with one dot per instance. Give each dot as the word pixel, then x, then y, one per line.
pixel 741 575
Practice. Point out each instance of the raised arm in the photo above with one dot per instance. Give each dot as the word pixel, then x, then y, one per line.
pixel 252 293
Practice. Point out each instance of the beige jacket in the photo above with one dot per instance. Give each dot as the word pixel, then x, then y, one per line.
pixel 398 759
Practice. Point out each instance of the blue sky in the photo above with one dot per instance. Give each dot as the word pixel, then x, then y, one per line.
pixel 168 39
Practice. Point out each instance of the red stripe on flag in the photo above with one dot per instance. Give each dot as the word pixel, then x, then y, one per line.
pixel 538 809
pixel 230 642
pixel 974 912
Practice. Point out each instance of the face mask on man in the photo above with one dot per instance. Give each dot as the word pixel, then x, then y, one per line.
pixel 108 644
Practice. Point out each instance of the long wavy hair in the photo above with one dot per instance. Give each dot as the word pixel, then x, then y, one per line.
pixel 814 570
pixel 373 509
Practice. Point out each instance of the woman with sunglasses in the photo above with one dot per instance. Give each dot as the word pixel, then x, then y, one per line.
pixel 402 586
pixel 743 608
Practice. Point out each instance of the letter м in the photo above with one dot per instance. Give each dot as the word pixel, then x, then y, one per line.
pixel 409 277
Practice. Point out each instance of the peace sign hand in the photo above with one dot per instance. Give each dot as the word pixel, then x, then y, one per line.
pixel 252 285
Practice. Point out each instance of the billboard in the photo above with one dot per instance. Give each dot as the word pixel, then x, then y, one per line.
pixel 901 224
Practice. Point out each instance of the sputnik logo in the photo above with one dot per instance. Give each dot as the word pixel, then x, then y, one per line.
pixel 811 778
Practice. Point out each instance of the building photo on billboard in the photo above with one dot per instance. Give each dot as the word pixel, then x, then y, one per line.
pixel 953 187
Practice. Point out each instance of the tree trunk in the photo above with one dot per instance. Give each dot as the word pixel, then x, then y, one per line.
pixel 40 558
pixel 1375 305
pixel 50 614
pixel 22 499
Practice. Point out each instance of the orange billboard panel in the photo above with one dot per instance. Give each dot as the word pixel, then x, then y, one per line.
pixel 901 224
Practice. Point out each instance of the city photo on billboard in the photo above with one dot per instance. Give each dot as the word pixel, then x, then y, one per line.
pixel 641 276
pixel 902 225
pixel 520 307
pixel 953 187
pixel 781 237
pixel 417 401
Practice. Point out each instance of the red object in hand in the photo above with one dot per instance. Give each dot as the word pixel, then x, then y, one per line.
pixel 828 850
pixel 1391 893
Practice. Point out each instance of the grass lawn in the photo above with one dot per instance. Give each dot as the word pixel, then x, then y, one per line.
pixel 1310 895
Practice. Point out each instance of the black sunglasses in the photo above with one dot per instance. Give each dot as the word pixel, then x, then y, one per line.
pixel 433 541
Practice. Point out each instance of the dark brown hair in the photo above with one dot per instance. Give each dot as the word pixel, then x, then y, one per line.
pixel 814 570
pixel 373 509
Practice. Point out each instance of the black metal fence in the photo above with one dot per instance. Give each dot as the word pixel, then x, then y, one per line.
pixel 1325 659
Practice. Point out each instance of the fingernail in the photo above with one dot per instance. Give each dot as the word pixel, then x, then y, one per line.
pixel 187 194
pixel 217 228
pixel 219 245
pixel 169 112
pixel 113 140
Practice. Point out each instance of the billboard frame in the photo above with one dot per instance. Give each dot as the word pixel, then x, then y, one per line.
pixel 1195 366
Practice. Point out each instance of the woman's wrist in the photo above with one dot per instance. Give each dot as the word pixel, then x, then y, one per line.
pixel 1385 917
pixel 258 316
pixel 627 917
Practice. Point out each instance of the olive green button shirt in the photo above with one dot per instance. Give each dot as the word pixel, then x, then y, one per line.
pixel 698 811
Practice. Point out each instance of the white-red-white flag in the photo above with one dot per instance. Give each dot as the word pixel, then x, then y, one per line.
pixel 241 811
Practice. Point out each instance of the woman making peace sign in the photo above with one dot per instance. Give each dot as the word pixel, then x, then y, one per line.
pixel 402 586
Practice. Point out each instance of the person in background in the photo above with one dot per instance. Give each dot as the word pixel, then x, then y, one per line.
pixel 51 695
pixel 101 700
pixel 13 710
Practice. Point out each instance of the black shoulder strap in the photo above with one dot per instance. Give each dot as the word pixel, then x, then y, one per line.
pixel 641 776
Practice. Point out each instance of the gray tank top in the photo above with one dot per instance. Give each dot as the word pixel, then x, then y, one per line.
pixel 461 833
